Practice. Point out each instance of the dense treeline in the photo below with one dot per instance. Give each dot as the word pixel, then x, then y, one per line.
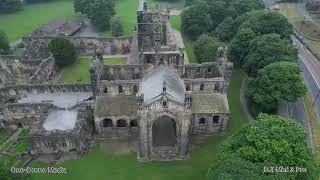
pixel 259 42
pixel 255 38
pixel 98 11
pixel 10 6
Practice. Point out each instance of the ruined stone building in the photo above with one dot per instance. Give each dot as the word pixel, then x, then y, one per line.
pixel 158 96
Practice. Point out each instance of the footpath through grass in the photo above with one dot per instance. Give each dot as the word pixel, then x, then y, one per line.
pixel 22 23
pixel 100 165
pixel 79 71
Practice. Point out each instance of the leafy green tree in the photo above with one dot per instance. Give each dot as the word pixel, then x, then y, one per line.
pixel 275 82
pixel 116 26
pixel 38 1
pixel 239 46
pixel 273 140
pixel 195 20
pixel 63 51
pixel 4 42
pixel 190 2
pixel 98 11
pixel 225 31
pixel 206 48
pixel 9 6
pixel 217 9
pixel 266 22
pixel 267 49
pixel 239 7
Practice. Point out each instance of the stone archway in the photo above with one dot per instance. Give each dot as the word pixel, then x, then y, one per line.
pixel 164 132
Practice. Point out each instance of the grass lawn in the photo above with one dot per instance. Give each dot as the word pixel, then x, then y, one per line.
pixel 3 134
pixel 165 4
pixel 100 165
pixel 126 10
pixel 22 23
pixel 21 147
pixel 79 71
pixel 8 161
pixel 314 125
pixel 175 22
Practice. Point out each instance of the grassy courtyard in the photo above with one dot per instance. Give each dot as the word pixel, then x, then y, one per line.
pixel 22 23
pixel 79 71
pixel 100 165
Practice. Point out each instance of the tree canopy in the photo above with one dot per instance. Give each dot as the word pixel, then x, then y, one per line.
pixel 239 46
pixel 195 20
pixel 116 26
pixel 64 52
pixel 266 49
pixel 4 42
pixel 98 11
pixel 225 30
pixel 9 6
pixel 275 82
pixel 206 48
pixel 266 22
pixel 238 7
pixel 270 140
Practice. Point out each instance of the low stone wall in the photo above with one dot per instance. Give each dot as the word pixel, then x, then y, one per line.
pixel 43 88
pixel 45 71
pixel 37 46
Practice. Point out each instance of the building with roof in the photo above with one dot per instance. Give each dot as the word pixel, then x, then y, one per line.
pixel 158 96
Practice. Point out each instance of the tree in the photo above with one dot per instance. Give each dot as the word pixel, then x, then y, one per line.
pixel 206 48
pixel 38 1
pixel 190 2
pixel 239 7
pixel 63 51
pixel 266 22
pixel 98 11
pixel 195 20
pixel 225 30
pixel 4 42
pixel 217 10
pixel 239 46
pixel 273 140
pixel 275 82
pixel 116 26
pixel 9 6
pixel 267 49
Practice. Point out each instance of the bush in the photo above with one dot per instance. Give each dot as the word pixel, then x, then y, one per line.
pixel 206 48
pixel 63 51
pixel 9 6
pixel 116 26
pixel 4 43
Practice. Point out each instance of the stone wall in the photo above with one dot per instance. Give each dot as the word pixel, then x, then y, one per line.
pixel 43 88
pixel 45 71
pixel 209 123
pixel 37 47
pixel 76 139
pixel 23 115
pixel 120 87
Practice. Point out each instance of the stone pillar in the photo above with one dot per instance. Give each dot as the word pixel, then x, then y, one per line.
pixel 143 139
pixel 184 139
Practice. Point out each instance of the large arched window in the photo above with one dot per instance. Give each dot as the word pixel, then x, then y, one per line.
pixel 135 89
pixel 202 120
pixel 201 87
pixel 215 119
pixel 105 90
pixel 120 89
pixel 121 123
pixel 133 123
pixel 107 123
pixel 188 87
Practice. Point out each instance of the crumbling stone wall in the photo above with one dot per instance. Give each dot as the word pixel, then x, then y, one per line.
pixel 45 71
pixel 37 46
pixel 205 123
pixel 119 87
pixel 76 139
pixel 23 115
pixel 18 90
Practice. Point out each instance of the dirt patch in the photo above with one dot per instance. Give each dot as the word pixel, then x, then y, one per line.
pixel 309 28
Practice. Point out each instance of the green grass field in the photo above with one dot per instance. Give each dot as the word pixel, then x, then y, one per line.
pixel 79 71
pixel 100 165
pixel 22 23
pixel 126 10
pixel 3 134
pixel 175 22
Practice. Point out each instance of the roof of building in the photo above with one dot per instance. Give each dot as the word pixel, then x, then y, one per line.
pixel 209 103
pixel 58 25
pixel 52 26
pixel 152 85
pixel 115 105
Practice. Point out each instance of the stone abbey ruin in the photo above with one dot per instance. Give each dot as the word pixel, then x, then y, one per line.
pixel 157 98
